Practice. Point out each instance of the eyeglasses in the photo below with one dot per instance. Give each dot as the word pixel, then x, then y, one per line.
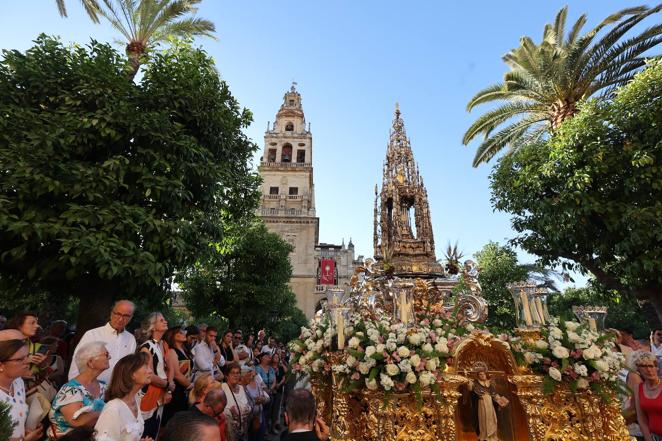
pixel 21 360
pixel 124 316
pixel 104 354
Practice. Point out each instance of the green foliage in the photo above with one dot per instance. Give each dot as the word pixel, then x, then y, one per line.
pixel 6 423
pixel 498 268
pixel 546 81
pixel 111 184
pixel 624 312
pixel 246 281
pixel 591 196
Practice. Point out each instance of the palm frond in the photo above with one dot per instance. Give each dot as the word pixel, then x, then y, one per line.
pixel 487 122
pixel 508 135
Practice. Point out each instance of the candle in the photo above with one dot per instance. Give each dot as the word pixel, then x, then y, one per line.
pixel 592 325
pixel 340 329
pixel 525 306
pixel 404 313
pixel 540 310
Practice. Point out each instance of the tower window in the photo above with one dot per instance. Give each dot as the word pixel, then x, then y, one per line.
pixel 273 190
pixel 272 155
pixel 291 102
pixel 292 211
pixel 272 211
pixel 289 127
pixel 286 155
pixel 294 191
pixel 301 156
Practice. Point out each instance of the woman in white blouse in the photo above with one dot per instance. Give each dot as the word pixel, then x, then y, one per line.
pixel 120 419
pixel 238 407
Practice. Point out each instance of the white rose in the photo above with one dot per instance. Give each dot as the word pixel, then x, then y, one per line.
pixel 582 383
pixel 403 351
pixel 319 345
pixel 415 360
pixel 555 373
pixel 571 326
pixel 369 351
pixel 427 347
pixel 317 365
pixel 574 337
pixel 364 368
pixel 386 381
pixel 380 348
pixel 541 344
pixel 437 323
pixel 591 353
pixel 431 365
pixel 391 345
pixel 441 347
pixel 411 377
pixel 305 332
pixel 561 352
pixel 415 339
pixel 555 332
pixel 392 369
pixel 353 342
pixel 601 365
pixel 425 378
pixel 371 384
pixel 351 361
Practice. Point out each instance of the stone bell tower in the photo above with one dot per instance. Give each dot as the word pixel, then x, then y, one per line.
pixel 403 237
pixel 288 193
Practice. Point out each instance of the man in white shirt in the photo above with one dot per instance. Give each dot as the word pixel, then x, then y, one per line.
pixel 270 348
pixel 243 352
pixel 207 356
pixel 119 342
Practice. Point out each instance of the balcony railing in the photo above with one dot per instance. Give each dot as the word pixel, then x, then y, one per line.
pixel 280 212
pixel 286 164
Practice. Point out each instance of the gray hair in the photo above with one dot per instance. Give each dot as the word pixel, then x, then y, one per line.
pixel 133 305
pixel 87 352
pixel 635 358
pixel 147 325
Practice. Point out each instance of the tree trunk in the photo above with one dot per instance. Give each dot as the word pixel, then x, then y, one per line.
pixel 96 298
pixel 653 307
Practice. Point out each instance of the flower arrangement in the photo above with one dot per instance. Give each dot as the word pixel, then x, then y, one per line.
pixel 380 355
pixel 571 353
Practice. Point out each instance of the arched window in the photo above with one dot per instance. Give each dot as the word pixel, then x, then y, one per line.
pixel 286 154
pixel 289 127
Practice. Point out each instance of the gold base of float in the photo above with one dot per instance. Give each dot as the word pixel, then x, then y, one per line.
pixel 531 415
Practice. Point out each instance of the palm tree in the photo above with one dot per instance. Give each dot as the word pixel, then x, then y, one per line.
pixel 546 81
pixel 91 7
pixel 145 23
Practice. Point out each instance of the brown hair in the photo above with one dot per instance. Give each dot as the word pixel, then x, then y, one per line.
pixel 9 347
pixel 232 365
pixel 17 321
pixel 121 381
pixel 169 336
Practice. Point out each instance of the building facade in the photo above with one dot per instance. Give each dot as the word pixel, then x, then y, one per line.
pixel 287 205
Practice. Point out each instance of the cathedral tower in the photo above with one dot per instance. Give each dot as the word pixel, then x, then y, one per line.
pixel 288 194
pixel 403 237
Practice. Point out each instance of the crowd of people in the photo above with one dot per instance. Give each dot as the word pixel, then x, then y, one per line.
pixel 160 384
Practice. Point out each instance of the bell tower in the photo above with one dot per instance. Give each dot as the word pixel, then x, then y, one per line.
pixel 287 205
pixel 403 237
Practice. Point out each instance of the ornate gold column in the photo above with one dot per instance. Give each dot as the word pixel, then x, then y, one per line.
pixel 529 392
pixel 450 394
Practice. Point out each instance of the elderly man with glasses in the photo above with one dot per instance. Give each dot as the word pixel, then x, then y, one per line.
pixel 118 340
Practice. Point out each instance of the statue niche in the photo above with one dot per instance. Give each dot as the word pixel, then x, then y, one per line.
pixel 485 350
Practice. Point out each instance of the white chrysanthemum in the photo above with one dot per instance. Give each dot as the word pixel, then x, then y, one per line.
pixel 386 381
pixel 405 365
pixel 403 351
pixel 411 377
pixel 555 373
pixel 581 369
pixel 319 345
pixel 392 369
pixel 353 342
pixel 560 352
pixel 380 348
pixel 441 347
pixel 601 365
pixel 305 332
pixel 555 332
pixel 415 339
pixel 369 351
pixel 391 345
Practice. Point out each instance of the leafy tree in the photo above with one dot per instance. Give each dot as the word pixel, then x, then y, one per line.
pixel 591 196
pixel 623 311
pixel 246 280
pixel 146 23
pixel 6 422
pixel 499 267
pixel 546 81
pixel 108 187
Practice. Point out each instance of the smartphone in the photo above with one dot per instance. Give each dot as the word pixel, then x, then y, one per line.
pixel 43 349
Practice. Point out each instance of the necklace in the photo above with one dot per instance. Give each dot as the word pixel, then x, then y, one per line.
pixel 653 388
pixel 8 390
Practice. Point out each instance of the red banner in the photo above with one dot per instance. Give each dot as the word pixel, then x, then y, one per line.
pixel 327 272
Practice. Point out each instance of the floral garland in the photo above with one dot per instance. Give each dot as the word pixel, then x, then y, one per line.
pixel 569 352
pixel 380 355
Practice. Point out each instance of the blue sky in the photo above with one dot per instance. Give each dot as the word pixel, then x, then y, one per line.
pixel 352 60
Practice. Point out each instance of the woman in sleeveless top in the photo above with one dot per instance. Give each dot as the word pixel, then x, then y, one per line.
pixel 180 361
pixel 649 399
